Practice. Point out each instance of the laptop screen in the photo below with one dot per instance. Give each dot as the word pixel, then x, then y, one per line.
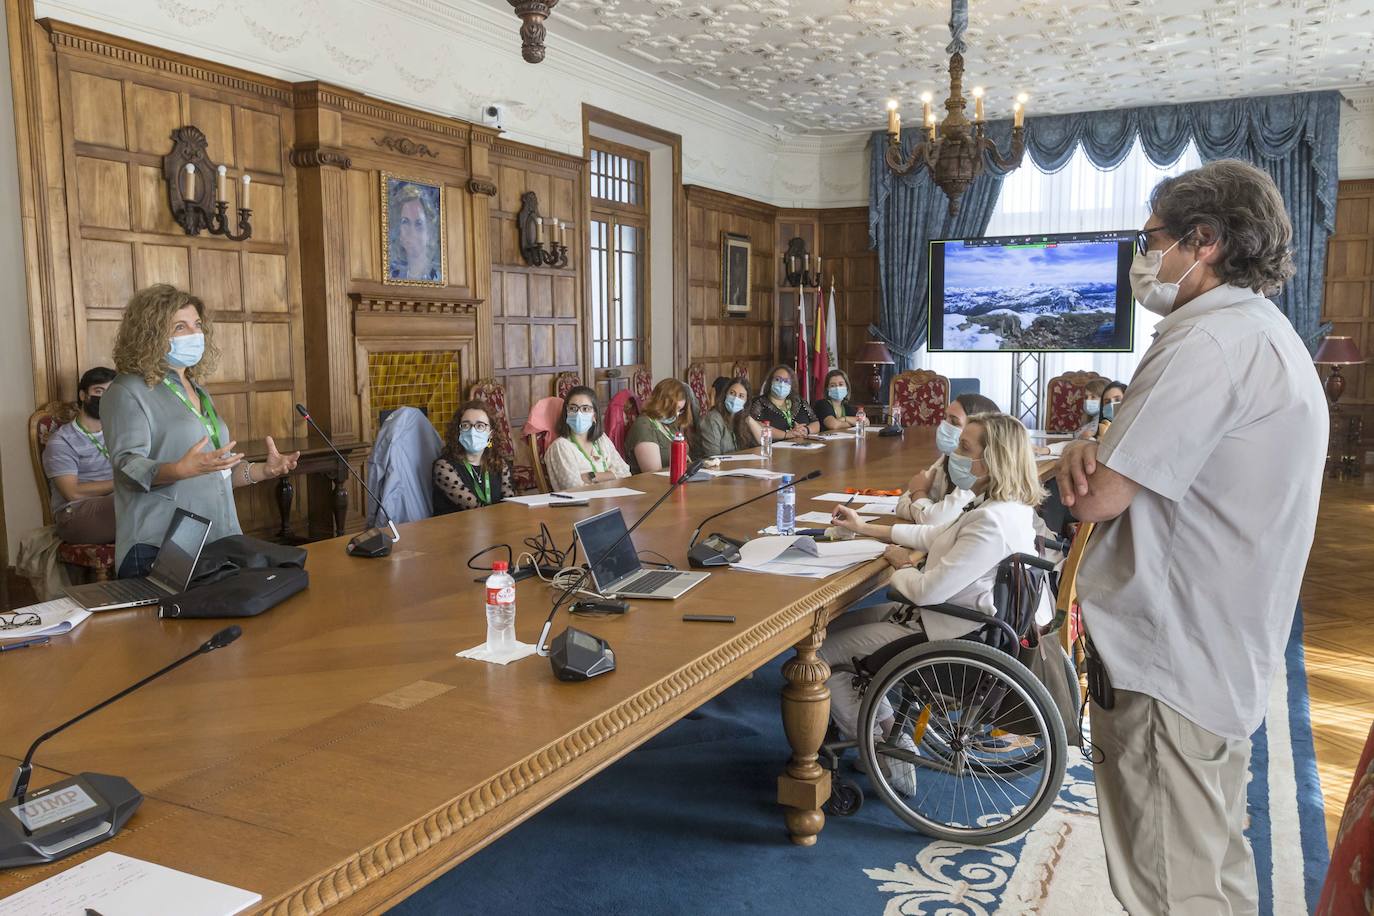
pixel 181 546
pixel 597 534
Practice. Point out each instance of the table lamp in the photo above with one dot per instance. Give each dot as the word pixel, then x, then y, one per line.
pixel 874 353
pixel 1336 352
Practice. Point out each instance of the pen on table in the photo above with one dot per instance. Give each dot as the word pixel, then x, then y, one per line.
pixel 562 496
pixel 36 641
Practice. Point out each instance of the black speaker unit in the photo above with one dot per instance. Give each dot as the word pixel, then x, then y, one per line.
pixel 576 655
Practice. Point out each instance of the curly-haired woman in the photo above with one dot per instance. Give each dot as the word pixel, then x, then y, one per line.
pixel 167 443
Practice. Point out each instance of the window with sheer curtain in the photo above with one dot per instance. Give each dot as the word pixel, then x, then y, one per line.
pixel 1078 198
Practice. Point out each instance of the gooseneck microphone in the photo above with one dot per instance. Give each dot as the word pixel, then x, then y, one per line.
pixel 371 543
pixel 21 777
pixel 698 560
pixel 572 633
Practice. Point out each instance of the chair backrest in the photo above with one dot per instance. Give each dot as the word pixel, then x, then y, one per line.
pixel 536 443
pixel 741 372
pixel 642 385
pixel 922 396
pixel 493 394
pixel 1066 601
pixel 564 382
pixel 696 382
pixel 1349 886
pixel 1064 397
pixel 43 422
pixel 622 411
pixel 958 386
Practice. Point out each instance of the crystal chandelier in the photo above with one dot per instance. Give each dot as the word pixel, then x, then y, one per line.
pixel 953 149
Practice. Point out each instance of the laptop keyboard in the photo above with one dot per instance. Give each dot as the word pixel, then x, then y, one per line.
pixel 128 590
pixel 652 581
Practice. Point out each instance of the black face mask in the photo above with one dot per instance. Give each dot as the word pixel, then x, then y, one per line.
pixel 92 407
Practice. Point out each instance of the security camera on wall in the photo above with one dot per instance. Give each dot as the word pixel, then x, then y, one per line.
pixel 492 115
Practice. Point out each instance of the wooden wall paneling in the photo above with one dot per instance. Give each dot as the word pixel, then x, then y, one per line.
pixel 854 266
pixel 1349 300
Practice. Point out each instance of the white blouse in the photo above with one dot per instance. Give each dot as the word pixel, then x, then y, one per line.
pixel 943 504
pixel 565 462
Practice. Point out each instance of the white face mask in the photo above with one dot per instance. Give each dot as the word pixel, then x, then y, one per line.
pixel 1148 289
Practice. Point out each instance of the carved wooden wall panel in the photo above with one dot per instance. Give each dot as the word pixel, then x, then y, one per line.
pixel 1349 301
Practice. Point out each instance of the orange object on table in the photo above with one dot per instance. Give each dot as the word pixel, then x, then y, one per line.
pixel 871 491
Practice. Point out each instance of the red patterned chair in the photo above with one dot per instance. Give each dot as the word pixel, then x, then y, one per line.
pixel 1064 396
pixel 922 396
pixel 1349 886
pixel 98 558
pixel 564 382
pixel 620 415
pixel 642 385
pixel 741 372
pixel 493 394
pixel 696 381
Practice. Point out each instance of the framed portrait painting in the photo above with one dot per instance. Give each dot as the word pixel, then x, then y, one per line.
pixel 413 249
pixel 734 267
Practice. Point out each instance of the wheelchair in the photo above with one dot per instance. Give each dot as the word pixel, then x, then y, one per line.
pixel 983 734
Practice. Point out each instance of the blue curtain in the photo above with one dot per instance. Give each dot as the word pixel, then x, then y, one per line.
pixel 1292 137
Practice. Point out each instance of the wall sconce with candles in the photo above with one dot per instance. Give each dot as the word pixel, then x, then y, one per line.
pixel 796 265
pixel 543 242
pixel 198 205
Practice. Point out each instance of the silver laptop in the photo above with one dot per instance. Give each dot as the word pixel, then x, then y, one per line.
pixel 171 572
pixel 620 574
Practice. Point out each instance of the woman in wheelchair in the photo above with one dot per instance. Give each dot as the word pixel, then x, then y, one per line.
pixel 993 461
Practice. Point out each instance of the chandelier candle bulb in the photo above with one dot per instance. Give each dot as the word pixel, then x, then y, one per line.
pixel 978 103
pixel 1018 115
pixel 243 200
pixel 190 181
pixel 219 184
pixel 894 120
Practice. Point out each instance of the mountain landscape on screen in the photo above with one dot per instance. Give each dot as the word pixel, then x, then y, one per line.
pixel 1032 297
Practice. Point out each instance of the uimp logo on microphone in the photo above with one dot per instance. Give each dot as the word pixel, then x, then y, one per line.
pixel 53 807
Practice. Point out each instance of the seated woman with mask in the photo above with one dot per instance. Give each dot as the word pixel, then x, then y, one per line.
pixel 582 453
pixel 468 473
pixel 931 498
pixel 835 410
pixel 1092 409
pixel 779 406
pixel 649 440
pixel 960 565
pixel 725 427
pixel 1112 396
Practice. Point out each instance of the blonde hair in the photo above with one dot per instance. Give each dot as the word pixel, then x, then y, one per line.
pixel 140 346
pixel 662 402
pixel 1012 474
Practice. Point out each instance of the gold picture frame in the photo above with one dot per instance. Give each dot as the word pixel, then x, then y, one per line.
pixel 413 228
pixel 736 280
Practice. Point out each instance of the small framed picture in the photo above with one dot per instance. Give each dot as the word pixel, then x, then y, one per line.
pixel 735 281
pixel 413 249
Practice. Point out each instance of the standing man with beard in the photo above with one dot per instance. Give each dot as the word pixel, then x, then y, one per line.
pixel 77 465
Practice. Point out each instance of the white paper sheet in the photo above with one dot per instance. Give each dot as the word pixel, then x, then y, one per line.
pixel 61 615
pixel 804 446
pixel 801 556
pixel 539 500
pixel 836 435
pixel 843 498
pixel 745 457
pixel 512 653
pixel 117 885
pixel 759 473
pixel 823 518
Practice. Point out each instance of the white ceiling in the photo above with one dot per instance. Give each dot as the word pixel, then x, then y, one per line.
pixel 829 65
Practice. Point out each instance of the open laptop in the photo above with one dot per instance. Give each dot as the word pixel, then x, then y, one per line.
pixel 620 574
pixel 170 575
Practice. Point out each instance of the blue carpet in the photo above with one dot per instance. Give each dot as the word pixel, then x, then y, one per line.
pixel 687 824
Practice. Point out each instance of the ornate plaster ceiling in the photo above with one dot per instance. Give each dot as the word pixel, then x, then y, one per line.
pixel 829 65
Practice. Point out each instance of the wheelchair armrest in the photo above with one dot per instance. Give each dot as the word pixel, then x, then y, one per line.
pixel 964 613
pixel 1032 560
pixel 1060 544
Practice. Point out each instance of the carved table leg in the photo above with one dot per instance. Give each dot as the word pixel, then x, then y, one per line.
pixel 338 479
pixel 805 711
pixel 286 493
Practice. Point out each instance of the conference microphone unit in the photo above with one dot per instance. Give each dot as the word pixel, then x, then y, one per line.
pixel 576 655
pixel 78 812
pixel 371 543
pixel 719 550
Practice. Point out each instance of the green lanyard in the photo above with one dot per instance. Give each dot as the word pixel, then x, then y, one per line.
pixel 661 428
pixel 787 413
pixel 206 415
pixel 596 448
pixel 94 441
pixel 481 485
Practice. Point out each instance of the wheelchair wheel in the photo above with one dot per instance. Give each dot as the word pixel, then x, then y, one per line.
pixel 976 750
pixel 846 798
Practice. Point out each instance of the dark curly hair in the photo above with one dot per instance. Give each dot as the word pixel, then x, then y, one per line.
pixel 453 449
pixel 1240 208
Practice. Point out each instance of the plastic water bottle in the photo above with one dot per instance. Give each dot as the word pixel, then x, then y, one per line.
pixel 766 440
pixel 860 425
pixel 500 608
pixel 787 507
pixel 896 417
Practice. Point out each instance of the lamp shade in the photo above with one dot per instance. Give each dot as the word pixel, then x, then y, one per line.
pixel 1338 351
pixel 874 352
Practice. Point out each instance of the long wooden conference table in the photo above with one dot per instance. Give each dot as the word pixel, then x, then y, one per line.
pixel 338 757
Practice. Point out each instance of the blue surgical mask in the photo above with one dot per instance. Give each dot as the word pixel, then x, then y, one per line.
pixel 1109 410
pixel 1092 407
pixel 472 441
pixel 961 472
pixel 946 437
pixel 780 388
pixel 734 404
pixel 186 350
pixel 838 394
pixel 580 422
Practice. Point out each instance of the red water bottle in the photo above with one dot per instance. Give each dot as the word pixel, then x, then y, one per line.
pixel 677 463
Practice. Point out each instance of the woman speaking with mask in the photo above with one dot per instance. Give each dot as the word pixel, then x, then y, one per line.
pixel 932 498
pixel 168 446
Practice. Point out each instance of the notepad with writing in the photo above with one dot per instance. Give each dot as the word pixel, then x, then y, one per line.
pixel 117 885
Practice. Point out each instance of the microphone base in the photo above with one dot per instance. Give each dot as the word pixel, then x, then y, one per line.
pixel 64 818
pixel 370 544
pixel 714 550
pixel 576 655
